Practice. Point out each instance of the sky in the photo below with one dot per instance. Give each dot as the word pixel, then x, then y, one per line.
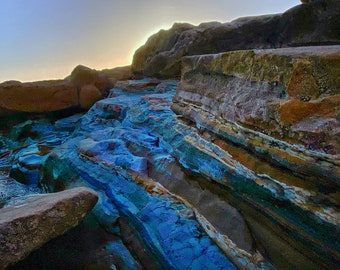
pixel 46 39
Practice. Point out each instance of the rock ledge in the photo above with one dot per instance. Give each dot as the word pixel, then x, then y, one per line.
pixel 26 227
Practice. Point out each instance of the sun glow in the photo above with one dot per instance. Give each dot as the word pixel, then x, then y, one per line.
pixel 146 36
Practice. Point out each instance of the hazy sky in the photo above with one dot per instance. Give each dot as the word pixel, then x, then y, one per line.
pixel 46 39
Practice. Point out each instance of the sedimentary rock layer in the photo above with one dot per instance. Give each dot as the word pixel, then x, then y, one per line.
pixel 169 183
pixel 281 103
pixel 315 23
pixel 27 226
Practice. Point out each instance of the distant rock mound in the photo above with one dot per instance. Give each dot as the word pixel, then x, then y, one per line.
pixel 27 226
pixel 316 23
pixel 81 89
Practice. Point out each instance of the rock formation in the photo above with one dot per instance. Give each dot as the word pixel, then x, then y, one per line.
pixel 309 24
pixel 136 153
pixel 280 105
pixel 37 96
pixel 234 166
pixel 27 226
pixel 81 89
pixel 290 94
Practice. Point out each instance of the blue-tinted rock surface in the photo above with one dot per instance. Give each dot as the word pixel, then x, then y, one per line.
pixel 173 190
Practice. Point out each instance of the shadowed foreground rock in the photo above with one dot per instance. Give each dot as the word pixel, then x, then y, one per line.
pixel 26 227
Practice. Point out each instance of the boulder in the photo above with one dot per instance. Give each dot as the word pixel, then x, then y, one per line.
pixel 82 75
pixel 118 73
pixel 26 227
pixel 42 96
pixel 315 23
pixel 89 94
pixel 81 90
pixel 103 80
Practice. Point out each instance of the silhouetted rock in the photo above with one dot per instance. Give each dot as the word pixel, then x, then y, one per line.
pixel 27 226
pixel 118 73
pixel 82 75
pixel 316 23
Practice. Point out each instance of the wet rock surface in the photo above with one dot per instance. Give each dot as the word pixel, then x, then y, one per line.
pixel 235 166
pixel 161 179
pixel 154 173
pixel 26 226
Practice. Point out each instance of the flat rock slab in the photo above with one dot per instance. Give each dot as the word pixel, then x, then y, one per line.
pixel 26 227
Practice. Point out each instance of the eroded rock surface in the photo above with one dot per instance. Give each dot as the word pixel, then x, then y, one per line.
pixel 162 178
pixel 280 106
pixel 291 95
pixel 25 227
pixel 315 23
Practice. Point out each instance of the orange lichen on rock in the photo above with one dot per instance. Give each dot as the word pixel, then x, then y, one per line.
pixel 294 110
pixel 302 84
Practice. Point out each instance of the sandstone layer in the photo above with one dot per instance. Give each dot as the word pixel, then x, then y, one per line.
pixel 27 226
pixel 315 23
pixel 281 103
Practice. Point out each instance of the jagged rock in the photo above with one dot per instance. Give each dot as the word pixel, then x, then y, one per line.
pixel 86 245
pixel 133 85
pixel 281 105
pixel 26 227
pixel 315 23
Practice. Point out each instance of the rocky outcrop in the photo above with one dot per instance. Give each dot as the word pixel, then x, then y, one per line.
pixel 314 23
pixel 81 89
pixel 27 226
pixel 44 96
pixel 291 95
pixel 278 105
pixel 176 187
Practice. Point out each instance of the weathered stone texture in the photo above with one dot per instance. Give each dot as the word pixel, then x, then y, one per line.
pixel 81 90
pixel 41 96
pixel 316 23
pixel 27 226
pixel 291 94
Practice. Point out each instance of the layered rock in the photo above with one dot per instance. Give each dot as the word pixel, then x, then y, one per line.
pixel 281 106
pixel 27 226
pixel 117 151
pixel 163 178
pixel 315 23
pixel 291 95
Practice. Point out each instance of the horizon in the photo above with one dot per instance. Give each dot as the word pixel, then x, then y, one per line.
pixel 46 41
